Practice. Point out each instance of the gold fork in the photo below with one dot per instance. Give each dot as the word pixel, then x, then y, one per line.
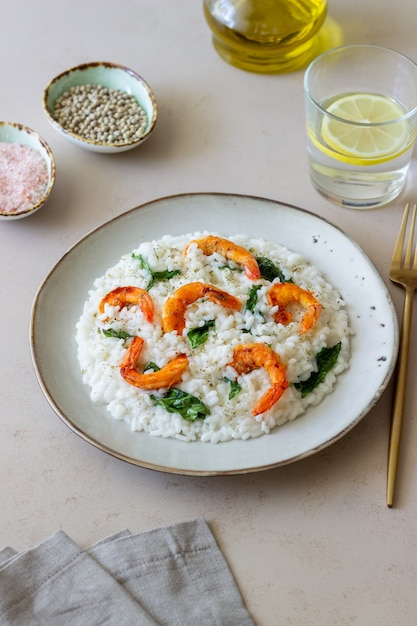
pixel 404 272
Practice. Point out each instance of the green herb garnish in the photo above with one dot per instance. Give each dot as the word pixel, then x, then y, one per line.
pixel 199 335
pixel 229 267
pixel 154 276
pixel 234 387
pixel 253 298
pixel 119 334
pixel 326 360
pixel 270 271
pixel 165 274
pixel 188 406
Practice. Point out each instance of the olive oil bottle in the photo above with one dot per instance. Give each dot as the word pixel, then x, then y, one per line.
pixel 267 36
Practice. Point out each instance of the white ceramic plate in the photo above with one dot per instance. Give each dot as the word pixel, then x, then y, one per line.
pixel 59 302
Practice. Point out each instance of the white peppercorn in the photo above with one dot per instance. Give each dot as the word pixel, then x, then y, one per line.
pixel 101 114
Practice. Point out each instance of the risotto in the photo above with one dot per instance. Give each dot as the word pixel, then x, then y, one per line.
pixel 190 344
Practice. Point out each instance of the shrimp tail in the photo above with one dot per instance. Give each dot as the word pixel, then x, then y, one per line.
pixel 164 378
pixel 282 294
pixel 239 255
pixel 270 397
pixel 174 308
pixel 252 356
pixel 125 296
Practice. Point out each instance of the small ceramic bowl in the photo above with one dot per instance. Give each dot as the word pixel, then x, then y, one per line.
pixel 107 75
pixel 11 133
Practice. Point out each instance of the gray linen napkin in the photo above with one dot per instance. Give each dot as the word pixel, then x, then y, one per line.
pixel 175 575
pixel 7 554
pixel 57 583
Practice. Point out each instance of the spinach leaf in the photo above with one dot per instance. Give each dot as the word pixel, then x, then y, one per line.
pixel 154 276
pixel 270 271
pixel 199 335
pixel 326 360
pixel 150 365
pixel 253 298
pixel 234 387
pixel 188 406
pixel 119 334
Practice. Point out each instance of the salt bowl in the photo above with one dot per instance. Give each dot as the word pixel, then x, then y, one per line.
pixel 27 171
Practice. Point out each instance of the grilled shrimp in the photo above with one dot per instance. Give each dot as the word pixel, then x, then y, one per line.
pixel 252 356
pixel 282 294
pixel 123 296
pixel 166 377
pixel 239 255
pixel 173 310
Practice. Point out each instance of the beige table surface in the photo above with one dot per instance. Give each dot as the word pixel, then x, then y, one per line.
pixel 310 543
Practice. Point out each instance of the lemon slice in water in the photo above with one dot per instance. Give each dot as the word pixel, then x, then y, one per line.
pixel 359 143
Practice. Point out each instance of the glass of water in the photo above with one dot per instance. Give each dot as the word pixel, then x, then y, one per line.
pixel 361 116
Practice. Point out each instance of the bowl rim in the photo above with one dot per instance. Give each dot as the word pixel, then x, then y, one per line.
pixel 51 173
pixel 95 65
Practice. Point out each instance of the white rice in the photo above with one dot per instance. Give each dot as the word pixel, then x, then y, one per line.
pixel 100 356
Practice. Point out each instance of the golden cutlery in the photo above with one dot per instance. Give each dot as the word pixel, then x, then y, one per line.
pixel 404 272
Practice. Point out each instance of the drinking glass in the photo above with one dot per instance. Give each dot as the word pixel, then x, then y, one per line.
pixel 361 117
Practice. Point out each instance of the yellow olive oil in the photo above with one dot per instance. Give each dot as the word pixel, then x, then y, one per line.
pixel 266 36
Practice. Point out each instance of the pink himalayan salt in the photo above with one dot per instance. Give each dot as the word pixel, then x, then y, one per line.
pixel 23 177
